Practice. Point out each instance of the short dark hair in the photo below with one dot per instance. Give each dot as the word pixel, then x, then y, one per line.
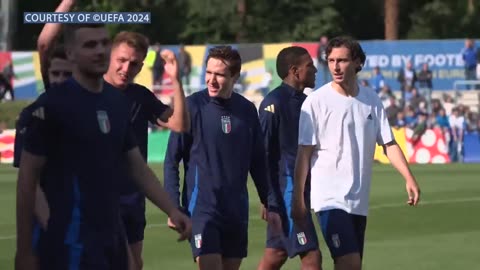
pixel 228 56
pixel 135 40
pixel 356 51
pixel 71 29
pixel 58 52
pixel 287 58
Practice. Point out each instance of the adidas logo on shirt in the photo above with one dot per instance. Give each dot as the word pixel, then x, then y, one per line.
pixel 270 108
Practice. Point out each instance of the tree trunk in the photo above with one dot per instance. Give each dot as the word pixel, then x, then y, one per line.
pixel 391 19
pixel 241 11
pixel 471 7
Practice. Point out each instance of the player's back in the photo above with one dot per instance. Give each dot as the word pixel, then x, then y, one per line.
pixel 85 143
pixel 221 153
pixel 281 109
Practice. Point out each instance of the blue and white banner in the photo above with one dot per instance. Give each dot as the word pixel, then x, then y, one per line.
pixel 443 57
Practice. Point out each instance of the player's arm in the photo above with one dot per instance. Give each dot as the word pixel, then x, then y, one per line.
pixel 20 129
pixel 269 127
pixel 307 140
pixel 48 35
pixel 152 188
pixel 302 166
pixel 32 162
pixel 178 149
pixel 394 153
pixel 31 167
pixel 149 184
pixel 176 119
pixel 258 163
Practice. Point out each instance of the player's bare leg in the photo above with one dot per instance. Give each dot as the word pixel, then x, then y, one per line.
pixel 311 260
pixel 136 251
pixel 231 264
pixel 272 259
pixel 348 262
pixel 209 262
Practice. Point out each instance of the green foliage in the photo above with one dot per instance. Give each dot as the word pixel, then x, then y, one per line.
pixel 9 112
pixel 218 21
pixel 444 19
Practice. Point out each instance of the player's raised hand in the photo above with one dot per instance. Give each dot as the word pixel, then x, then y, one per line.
pixel 171 64
pixel 413 191
pixel 182 224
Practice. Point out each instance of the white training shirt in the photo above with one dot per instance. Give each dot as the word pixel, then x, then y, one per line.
pixel 344 131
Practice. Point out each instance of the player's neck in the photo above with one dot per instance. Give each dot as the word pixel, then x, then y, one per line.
pixel 347 88
pixel 92 84
pixel 225 94
pixel 296 85
pixel 109 80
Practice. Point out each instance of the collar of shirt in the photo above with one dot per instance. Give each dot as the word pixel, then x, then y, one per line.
pixel 223 102
pixel 292 91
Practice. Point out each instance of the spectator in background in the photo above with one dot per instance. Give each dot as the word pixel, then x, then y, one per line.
pixel 416 99
pixel 6 78
pixel 407 78
pixel 442 120
pixel 419 127
pixel 378 81
pixel 436 106
pixel 469 56
pixel 392 110
pixel 400 121
pixel 448 104
pixel 364 83
pixel 185 66
pixel 425 85
pixel 471 121
pixel 385 95
pixel 457 125
pixel 410 117
pixel 432 121
pixel 322 58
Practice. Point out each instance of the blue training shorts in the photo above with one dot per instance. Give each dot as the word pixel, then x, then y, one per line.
pixel 214 236
pixel 293 240
pixel 344 233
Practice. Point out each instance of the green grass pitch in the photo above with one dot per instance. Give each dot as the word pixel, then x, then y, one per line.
pixel 442 233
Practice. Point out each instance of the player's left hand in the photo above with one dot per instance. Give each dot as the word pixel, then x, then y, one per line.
pixel 275 222
pixel 263 212
pixel 182 224
pixel 171 64
pixel 413 191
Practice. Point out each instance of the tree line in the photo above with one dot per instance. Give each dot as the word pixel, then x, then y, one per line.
pixel 269 21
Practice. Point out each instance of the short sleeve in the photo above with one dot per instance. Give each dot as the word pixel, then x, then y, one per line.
pixel 307 131
pixel 384 132
pixel 156 108
pixel 41 127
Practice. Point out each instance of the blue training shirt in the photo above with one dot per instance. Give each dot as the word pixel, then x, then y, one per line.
pixel 279 118
pixel 84 137
pixel 144 107
pixel 222 147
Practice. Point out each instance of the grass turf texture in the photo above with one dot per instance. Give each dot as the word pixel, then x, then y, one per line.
pixel 442 233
